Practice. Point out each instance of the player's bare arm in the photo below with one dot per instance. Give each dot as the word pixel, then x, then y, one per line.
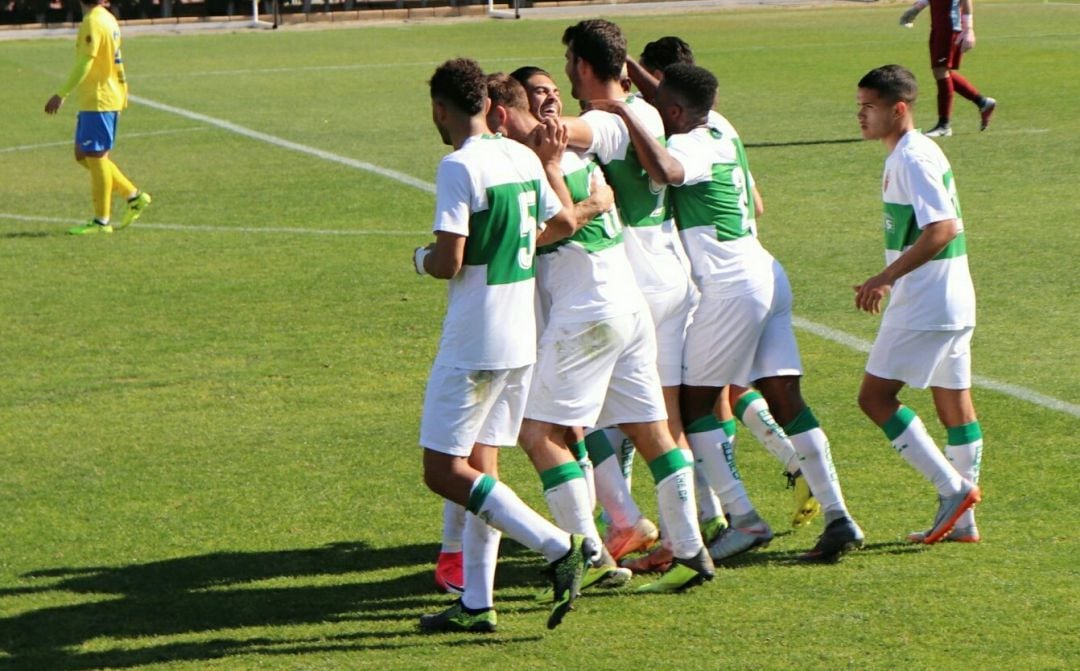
pixel 579 134
pixel 642 78
pixel 658 163
pixel 934 238
pixel 443 258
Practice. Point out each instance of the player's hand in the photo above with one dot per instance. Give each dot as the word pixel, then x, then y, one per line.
pixel 966 40
pixel 908 17
pixel 601 193
pixel 53 106
pixel 419 254
pixel 870 294
pixel 549 140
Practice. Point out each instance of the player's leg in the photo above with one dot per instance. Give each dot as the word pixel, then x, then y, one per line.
pixel 753 411
pixel 951 389
pixel 449 576
pixel 628 530
pixel 942 45
pixel 963 86
pixel 454 468
pixel 94 136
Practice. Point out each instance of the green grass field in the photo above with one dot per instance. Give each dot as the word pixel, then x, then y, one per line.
pixel 208 421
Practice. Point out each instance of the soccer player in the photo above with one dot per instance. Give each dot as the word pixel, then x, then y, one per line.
pixel 490 194
pixel 98 77
pixel 746 404
pixel 925 334
pixel 952 33
pixel 595 57
pixel 741 332
pixel 596 366
pixel 629 530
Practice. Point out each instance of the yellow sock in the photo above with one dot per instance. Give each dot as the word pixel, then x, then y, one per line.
pixel 101 181
pixel 121 184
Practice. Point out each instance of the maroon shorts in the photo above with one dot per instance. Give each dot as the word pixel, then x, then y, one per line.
pixel 944 51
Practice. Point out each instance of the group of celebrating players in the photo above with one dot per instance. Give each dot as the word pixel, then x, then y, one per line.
pixel 608 294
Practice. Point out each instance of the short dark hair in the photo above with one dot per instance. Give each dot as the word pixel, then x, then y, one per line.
pixel 666 51
pixel 601 44
pixel 894 83
pixel 527 72
pixel 504 90
pixel 695 85
pixel 461 83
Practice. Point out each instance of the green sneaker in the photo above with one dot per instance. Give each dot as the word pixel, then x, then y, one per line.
pixel 566 574
pixel 683 574
pixel 456 618
pixel 712 528
pixel 90 228
pixel 604 574
pixel 135 206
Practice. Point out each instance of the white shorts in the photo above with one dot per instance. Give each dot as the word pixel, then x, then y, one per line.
pixel 597 373
pixel 741 339
pixel 670 315
pixel 923 359
pixel 465 407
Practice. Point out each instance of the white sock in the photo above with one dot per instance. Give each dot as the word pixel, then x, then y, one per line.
pixel 624 450
pixel 708 504
pixel 479 556
pixel 912 441
pixel 714 453
pixel 569 505
pixel 815 461
pixel 613 493
pixel 753 412
pixel 964 452
pixel 453 525
pixel 500 507
pixel 674 478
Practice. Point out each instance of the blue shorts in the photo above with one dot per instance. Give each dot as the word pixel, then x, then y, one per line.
pixel 95 131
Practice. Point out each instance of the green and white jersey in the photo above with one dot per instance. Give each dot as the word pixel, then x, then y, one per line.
pixel 587 276
pixel 493 191
pixel 651 243
pixel 714 210
pixel 918 190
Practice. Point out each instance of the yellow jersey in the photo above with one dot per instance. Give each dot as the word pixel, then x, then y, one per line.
pixel 104 88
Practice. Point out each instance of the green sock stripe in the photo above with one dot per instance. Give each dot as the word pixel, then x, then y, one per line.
pixel 668 463
pixel 964 434
pixel 579 451
pixel 480 490
pixel 803 422
pixel 744 401
pixel 899 422
pixel 555 476
pixel 703 424
pixel 729 426
pixel 599 447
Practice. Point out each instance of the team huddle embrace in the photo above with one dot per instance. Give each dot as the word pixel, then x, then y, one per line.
pixel 608 295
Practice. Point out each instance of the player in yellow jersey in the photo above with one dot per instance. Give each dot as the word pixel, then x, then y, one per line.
pixel 98 77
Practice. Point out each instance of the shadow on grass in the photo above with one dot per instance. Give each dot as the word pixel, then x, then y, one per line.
pixel 791 557
pixel 197 596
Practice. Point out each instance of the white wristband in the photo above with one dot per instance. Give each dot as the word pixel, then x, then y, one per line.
pixel 419 254
pixel 967 22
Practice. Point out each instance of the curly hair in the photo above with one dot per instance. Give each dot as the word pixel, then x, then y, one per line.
pixel 666 51
pixel 894 83
pixel 461 83
pixel 601 44
pixel 695 85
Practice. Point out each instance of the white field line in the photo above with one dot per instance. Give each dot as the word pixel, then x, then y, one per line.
pixel 288 144
pixel 846 339
pixel 224 229
pixel 71 142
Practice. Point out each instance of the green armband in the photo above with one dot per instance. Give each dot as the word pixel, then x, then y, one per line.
pixel 78 73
